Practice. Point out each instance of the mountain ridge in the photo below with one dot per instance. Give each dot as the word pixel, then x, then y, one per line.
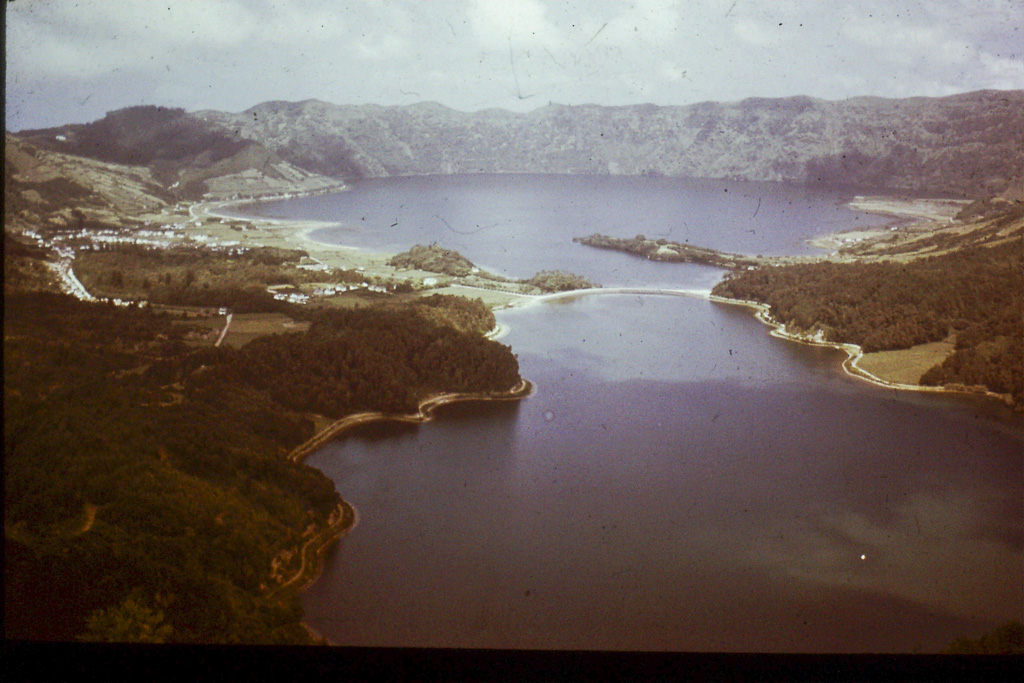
pixel 967 144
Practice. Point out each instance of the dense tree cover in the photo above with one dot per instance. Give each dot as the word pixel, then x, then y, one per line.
pixel 367 359
pixel 559 281
pixel 165 139
pixel 987 358
pixel 147 490
pixel 434 259
pixel 467 315
pixel 664 250
pixel 975 294
pixel 188 494
pixel 25 267
pixel 129 622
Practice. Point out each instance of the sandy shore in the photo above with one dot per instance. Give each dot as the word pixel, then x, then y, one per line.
pixel 289 234
pixel 906 208
pixel 909 216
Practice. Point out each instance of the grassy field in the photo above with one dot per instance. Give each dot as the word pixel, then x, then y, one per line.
pixel 490 297
pixel 906 365
pixel 247 326
pixel 208 320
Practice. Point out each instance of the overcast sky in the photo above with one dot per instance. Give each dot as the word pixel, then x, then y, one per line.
pixel 74 60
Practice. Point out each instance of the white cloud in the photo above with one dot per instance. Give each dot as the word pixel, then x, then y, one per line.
pixel 516 54
pixel 672 72
pixel 288 21
pixel 380 47
pixel 755 34
pixel 1001 73
pixel 519 24
pixel 645 23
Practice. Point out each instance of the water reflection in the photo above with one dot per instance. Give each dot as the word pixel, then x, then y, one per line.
pixel 518 224
pixel 680 479
pixel 644 498
pixel 929 552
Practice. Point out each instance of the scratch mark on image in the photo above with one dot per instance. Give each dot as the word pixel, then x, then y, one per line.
pixel 515 76
pixel 603 27
pixel 463 232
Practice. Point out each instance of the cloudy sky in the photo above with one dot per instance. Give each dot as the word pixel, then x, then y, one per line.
pixel 74 60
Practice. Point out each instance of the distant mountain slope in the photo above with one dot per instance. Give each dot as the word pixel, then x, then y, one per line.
pixel 45 188
pixel 184 153
pixel 969 144
pixel 966 144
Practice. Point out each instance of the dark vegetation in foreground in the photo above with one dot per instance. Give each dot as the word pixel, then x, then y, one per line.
pixel 1007 639
pixel 147 491
pixel 974 294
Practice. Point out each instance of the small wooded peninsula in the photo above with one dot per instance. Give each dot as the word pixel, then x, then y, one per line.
pixel 959 283
pixel 963 283
pixel 664 250
pixel 436 259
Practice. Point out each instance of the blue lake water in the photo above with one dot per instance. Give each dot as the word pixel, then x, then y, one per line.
pixel 680 480
pixel 519 224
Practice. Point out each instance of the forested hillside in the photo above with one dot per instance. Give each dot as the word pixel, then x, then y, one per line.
pixel 975 294
pixel 367 359
pixel 147 490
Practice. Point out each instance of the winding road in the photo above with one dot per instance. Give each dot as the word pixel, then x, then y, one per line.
pixel 224 332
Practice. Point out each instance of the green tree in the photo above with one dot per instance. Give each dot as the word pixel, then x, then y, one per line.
pixel 129 622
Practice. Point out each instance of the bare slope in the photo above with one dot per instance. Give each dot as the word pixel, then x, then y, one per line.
pixel 185 154
pixel 45 188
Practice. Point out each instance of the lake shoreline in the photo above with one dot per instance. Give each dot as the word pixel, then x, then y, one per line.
pixel 314 551
pixel 423 414
pixel 917 212
pixel 854 353
pixel 300 234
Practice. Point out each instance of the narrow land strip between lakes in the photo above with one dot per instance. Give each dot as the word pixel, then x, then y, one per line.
pixel 423 414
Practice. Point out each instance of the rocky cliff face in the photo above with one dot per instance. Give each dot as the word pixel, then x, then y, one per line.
pixel 968 144
pixel 964 144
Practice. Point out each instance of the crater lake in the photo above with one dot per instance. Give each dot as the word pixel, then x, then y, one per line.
pixel 679 480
